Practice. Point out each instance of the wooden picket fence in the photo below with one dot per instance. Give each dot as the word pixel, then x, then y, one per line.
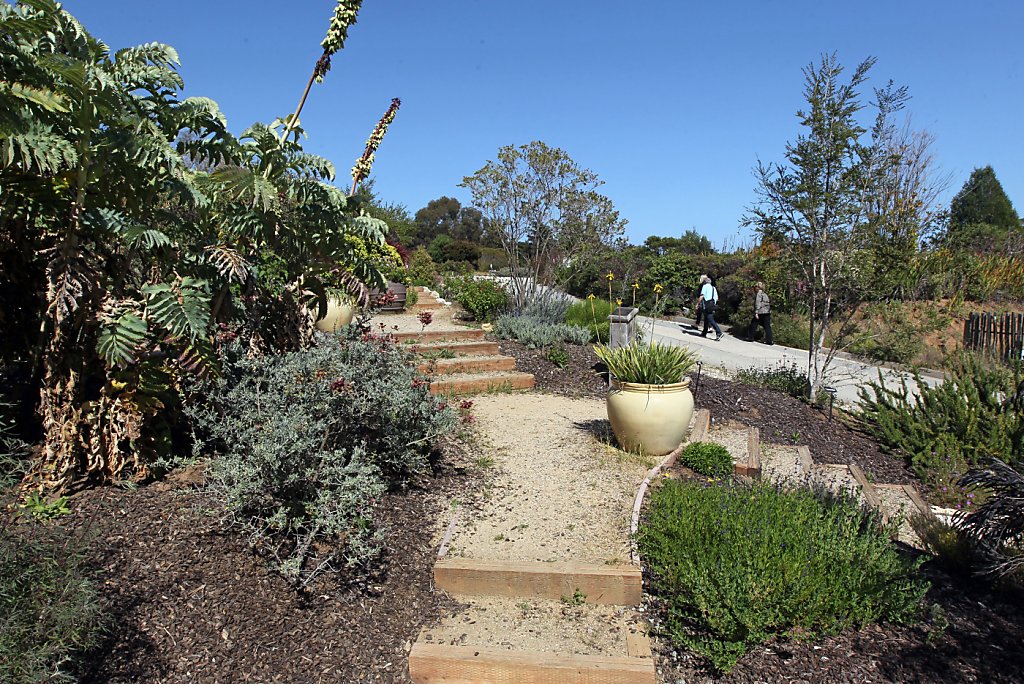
pixel 999 335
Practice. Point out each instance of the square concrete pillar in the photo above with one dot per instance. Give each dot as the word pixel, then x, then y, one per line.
pixel 622 326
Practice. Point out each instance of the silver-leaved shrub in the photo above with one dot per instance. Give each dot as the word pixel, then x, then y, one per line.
pixel 304 444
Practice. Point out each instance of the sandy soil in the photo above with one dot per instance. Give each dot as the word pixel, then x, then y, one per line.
pixel 554 454
pixel 733 436
pixel 538 625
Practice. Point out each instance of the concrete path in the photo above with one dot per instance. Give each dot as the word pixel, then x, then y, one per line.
pixel 732 354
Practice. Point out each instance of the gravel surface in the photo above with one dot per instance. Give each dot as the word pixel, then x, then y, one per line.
pixel 550 451
pixel 537 625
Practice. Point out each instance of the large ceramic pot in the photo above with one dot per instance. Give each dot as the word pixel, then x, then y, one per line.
pixel 339 314
pixel 653 419
pixel 398 290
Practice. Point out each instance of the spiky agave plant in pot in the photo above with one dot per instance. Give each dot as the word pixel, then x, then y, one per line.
pixel 649 400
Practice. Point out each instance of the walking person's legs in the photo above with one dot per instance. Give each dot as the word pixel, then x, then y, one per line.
pixel 766 322
pixel 709 318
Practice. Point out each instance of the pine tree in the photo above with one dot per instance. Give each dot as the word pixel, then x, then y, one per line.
pixel 981 216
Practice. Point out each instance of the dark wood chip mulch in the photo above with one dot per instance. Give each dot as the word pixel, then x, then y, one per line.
pixel 188 602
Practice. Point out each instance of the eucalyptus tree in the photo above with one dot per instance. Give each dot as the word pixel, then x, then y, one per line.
pixel 545 210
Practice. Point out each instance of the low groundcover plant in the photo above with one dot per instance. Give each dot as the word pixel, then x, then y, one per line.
pixel 736 565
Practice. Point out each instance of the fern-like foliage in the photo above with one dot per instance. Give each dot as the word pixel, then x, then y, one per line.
pixel 37 150
pixel 122 334
pixel 181 307
pixel 231 265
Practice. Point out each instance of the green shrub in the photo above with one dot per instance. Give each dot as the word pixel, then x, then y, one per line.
pixel 591 314
pixel 535 333
pixel 305 443
pixel 707 458
pixel 946 429
pixel 483 299
pixel 550 309
pixel 738 565
pixel 791 330
pixel 950 546
pixel 557 355
pixel 781 377
pixel 49 610
pixel 422 269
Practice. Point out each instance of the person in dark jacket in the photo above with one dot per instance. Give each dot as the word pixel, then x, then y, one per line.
pixel 699 306
pixel 762 315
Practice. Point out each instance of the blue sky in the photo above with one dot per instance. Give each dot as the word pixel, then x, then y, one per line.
pixel 671 103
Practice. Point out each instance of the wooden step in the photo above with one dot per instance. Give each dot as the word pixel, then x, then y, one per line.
pixel 742 442
pixel 897 503
pixel 619 585
pixel 428 336
pixel 474 384
pixel 458 348
pixel 467 364
pixel 428 305
pixel 437 663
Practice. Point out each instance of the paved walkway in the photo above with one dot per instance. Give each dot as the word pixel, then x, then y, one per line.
pixel 732 354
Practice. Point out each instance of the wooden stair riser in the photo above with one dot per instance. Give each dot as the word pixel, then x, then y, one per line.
pixel 428 336
pixel 617 585
pixel 484 383
pixel 458 348
pixel 468 364
pixel 438 663
pixel 425 306
pixel 751 466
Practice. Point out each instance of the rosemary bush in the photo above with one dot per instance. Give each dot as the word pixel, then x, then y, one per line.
pixel 647 363
pixel 305 443
pixel 965 421
pixel 707 458
pixel 737 565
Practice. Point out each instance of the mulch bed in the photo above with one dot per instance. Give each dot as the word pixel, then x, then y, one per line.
pixel 188 601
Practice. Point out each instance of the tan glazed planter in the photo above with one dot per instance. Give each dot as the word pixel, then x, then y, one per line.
pixel 339 314
pixel 653 419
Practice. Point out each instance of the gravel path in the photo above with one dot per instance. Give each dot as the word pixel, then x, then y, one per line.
pixel 552 454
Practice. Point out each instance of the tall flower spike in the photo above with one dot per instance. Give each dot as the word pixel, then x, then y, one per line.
pixel 363 165
pixel 344 16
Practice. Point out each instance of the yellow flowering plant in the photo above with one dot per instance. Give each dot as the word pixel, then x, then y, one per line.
pixel 649 363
